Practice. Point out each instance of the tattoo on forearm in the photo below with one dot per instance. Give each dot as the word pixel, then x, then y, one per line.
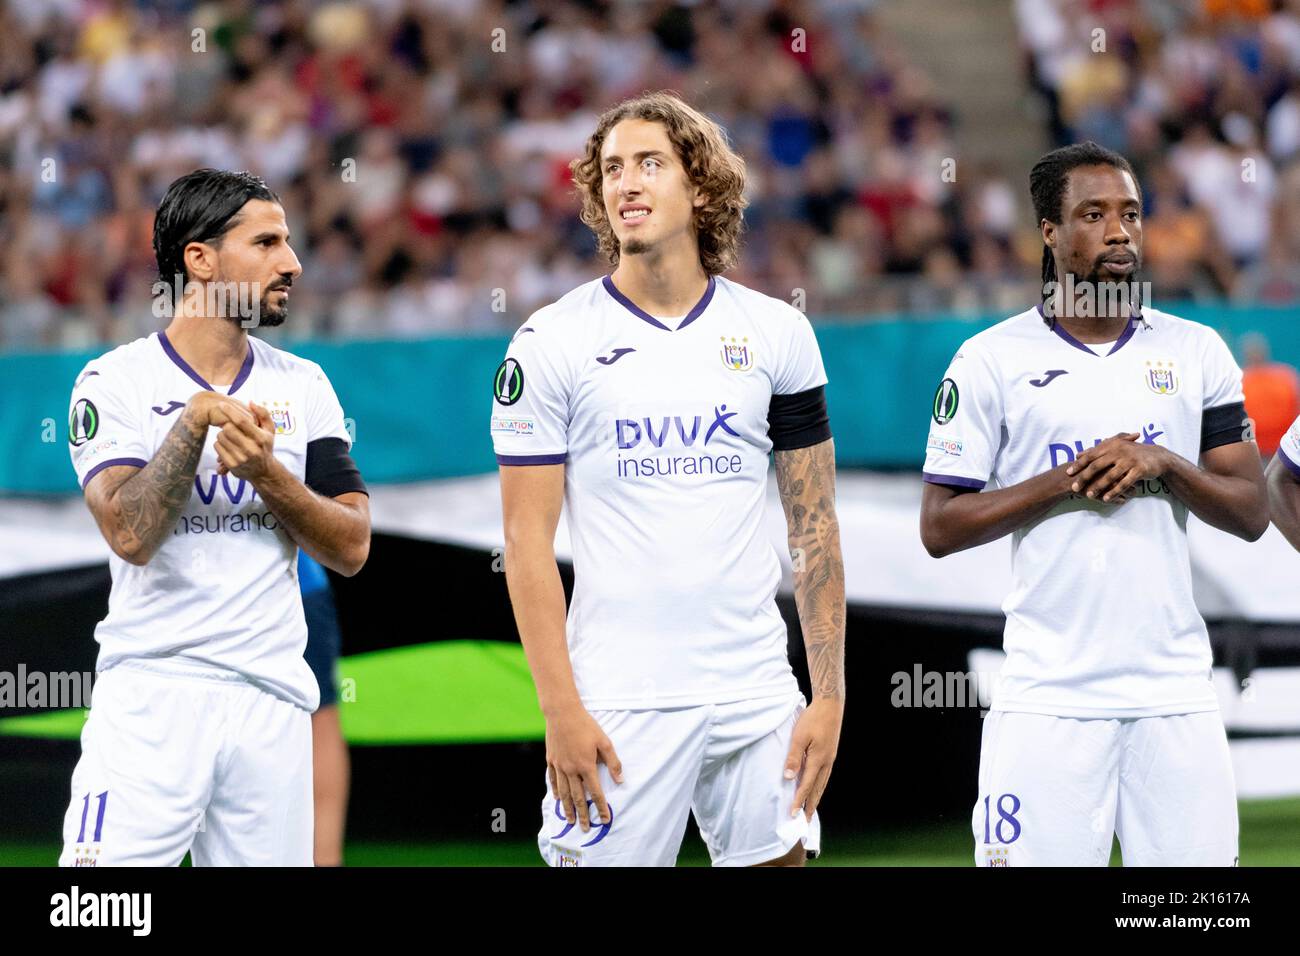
pixel 150 501
pixel 806 480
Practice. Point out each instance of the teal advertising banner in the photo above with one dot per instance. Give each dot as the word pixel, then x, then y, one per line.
pixel 420 408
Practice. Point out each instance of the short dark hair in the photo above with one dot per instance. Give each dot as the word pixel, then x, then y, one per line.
pixel 201 206
pixel 1051 175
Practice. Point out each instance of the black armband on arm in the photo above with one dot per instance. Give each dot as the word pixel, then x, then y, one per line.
pixel 1223 425
pixel 799 420
pixel 330 469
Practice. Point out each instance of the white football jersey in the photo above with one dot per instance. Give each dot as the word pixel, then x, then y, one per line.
pixel 664 434
pixel 221 594
pixel 1101 621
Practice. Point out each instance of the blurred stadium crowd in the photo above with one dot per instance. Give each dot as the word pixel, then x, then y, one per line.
pixel 421 149
pixel 1203 97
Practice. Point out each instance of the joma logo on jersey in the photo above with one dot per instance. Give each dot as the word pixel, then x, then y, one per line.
pixel 737 356
pixel 1063 452
pixel 631 432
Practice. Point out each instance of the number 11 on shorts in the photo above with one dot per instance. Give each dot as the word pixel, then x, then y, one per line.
pixel 99 817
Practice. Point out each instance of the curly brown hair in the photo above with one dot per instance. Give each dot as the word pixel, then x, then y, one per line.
pixel 710 164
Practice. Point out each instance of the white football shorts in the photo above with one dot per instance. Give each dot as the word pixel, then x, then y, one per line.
pixel 1054 790
pixel 175 761
pixel 724 762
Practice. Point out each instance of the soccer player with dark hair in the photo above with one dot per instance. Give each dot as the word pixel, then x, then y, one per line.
pixel 1089 428
pixel 647 403
pixel 208 458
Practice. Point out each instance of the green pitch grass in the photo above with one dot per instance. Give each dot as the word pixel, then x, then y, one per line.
pixel 1270 836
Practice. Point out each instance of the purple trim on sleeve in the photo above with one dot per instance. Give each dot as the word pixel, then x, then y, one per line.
pixel 955 480
pixel 1286 460
pixel 137 462
pixel 245 370
pixel 640 313
pixel 1119 342
pixel 559 459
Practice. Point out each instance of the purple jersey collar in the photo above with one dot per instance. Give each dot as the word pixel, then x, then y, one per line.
pixel 245 370
pixel 1119 343
pixel 640 313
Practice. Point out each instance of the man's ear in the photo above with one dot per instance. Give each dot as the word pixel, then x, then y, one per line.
pixel 200 261
pixel 1048 229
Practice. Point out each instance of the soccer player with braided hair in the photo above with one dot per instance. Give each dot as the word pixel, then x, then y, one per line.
pixel 1089 428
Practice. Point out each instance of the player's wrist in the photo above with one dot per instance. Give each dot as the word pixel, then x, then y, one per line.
pixel 197 414
pixel 1167 461
pixel 561 705
pixel 274 479
pixel 1061 485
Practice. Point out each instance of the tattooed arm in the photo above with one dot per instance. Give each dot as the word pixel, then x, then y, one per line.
pixel 136 508
pixel 806 480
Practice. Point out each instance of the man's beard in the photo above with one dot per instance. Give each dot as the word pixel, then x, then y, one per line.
pixel 1097 291
pixel 271 315
pixel 1099 275
pixel 1127 288
pixel 636 247
pixel 268 316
